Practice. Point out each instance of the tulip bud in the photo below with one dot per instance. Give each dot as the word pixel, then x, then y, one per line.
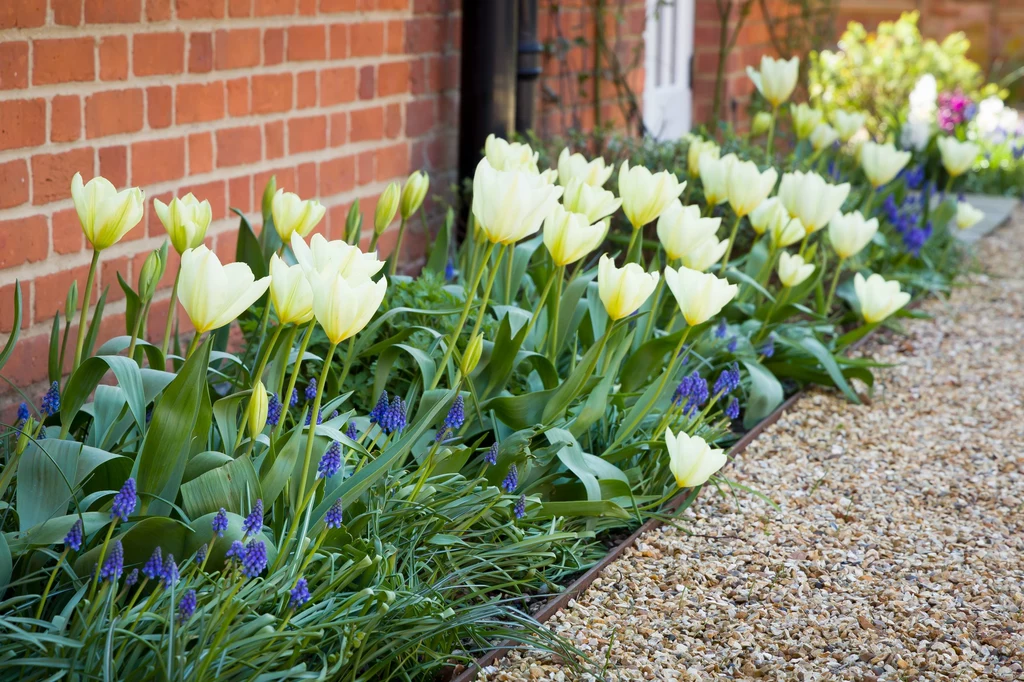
pixel 848 124
pixel 823 136
pixel 471 356
pixel 714 176
pixel 570 236
pixel 106 215
pixel 767 213
pixel 268 199
pixel 510 205
pixel 623 290
pixel 691 460
pixel 353 223
pixel 213 294
pixel 413 194
pixel 150 274
pixel 700 295
pixel 792 269
pixel 805 120
pixel 259 403
pixel 71 302
pixel 810 198
pixel 387 207
pixel 698 147
pixel 878 298
pixel 292 214
pixel 849 233
pixel 967 216
pixel 881 162
pixel 776 79
pixel 186 220
pixel 762 121
pixel 646 195
pixel 957 156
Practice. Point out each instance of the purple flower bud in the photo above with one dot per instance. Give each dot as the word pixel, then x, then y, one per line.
pixel 274 409
pixel 351 431
pixel 767 348
pixel 511 481
pixel 491 456
pixel 299 594
pixel 154 566
pixel 73 540
pixel 310 393
pixel 732 410
pixel 114 564
pixel 729 380
pixel 169 574
pixel 520 507
pixel 187 606
pixel 220 522
pixel 295 398
pixel 255 559
pixel 333 517
pixel 125 501
pixel 330 463
pixel 51 401
pixel 236 551
pixel 377 413
pixel 23 413
pixel 132 578
pixel 254 521
pixel 454 420
pixel 201 554
pixel 721 329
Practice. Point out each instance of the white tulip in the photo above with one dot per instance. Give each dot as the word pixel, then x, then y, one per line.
pixel 850 232
pixel 681 229
pixel 290 291
pixel 213 294
pixel 700 296
pixel 294 215
pixel 787 232
pixel 623 290
pixel 329 258
pixel 878 298
pixel 510 156
pixel 967 216
pixel 691 460
pixel 570 236
pixel 646 195
pixel 793 270
pixel 767 213
pixel 823 136
pixel 575 166
pixel 698 147
pixel 808 197
pixel 105 214
pixel 343 307
pixel 776 79
pixel 186 220
pixel 848 123
pixel 882 162
pixel 957 157
pixel 510 205
pixel 805 119
pixel 705 254
pixel 593 202
pixel 714 177
pixel 748 186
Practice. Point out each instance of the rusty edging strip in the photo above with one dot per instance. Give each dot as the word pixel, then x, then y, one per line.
pixel 558 602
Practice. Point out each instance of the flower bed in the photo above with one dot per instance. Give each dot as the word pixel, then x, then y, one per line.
pixel 375 483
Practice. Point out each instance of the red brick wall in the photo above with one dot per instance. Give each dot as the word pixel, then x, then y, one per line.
pixel 335 97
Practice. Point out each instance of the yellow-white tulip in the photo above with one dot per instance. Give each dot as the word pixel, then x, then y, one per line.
pixel 106 215
pixel 681 229
pixel 957 157
pixel 387 208
pixel 570 236
pixel 510 205
pixel 259 407
pixel 705 254
pixel 646 195
pixel 294 215
pixel 882 162
pixel 691 460
pixel 714 177
pixel 850 232
pixel 700 295
pixel 623 290
pixel 747 186
pixel 848 123
pixel 343 307
pixel 793 270
pixel 576 167
pixel 698 147
pixel 213 294
pixel 510 156
pixel 413 193
pixel 767 213
pixel 593 202
pixel 329 258
pixel 776 79
pixel 290 291
pixel 967 216
pixel 186 220
pixel 823 136
pixel 878 298
pixel 805 119
pixel 808 197
pixel 761 123
pixel 786 232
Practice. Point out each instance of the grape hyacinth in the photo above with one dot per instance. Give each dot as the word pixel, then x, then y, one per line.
pixel 295 398
pixel 319 415
pixel 333 517
pixel 511 481
pixel 729 380
pixel 721 330
pixel 906 219
pixel 220 522
pixel 449 271
pixel 23 413
pixel 333 414
pixel 73 540
pixel 274 409
pixel 254 521
pixel 113 566
pixel 236 551
pixel 351 431
pixel 51 401
pixel 255 559
pixel 520 507
pixel 125 501
pixel 154 566
pixel 169 574
pixel 201 554
pixel 310 393
pixel 132 578
pixel 187 606
pixel 732 410
pixel 694 389
pixel 767 348
pixel 454 420
pixel 733 344
pixel 378 411
pixel 393 420
pixel 330 463
pixel 491 456
pixel 299 594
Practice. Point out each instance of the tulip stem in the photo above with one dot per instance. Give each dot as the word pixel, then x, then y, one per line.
pixel 398 248
pixel 286 396
pixel 783 295
pixel 655 304
pixel 508 276
pixel 315 410
pixel 255 380
pixel 556 309
pixel 632 242
pixel 80 344
pixel 542 300
pixel 348 363
pixel 870 200
pixel 193 344
pixel 172 304
pixel 136 328
pixel 768 150
pixel 728 248
pixel 832 289
pixel 478 273
pixel 487 290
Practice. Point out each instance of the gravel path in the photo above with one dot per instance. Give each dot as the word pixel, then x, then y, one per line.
pixel 899 552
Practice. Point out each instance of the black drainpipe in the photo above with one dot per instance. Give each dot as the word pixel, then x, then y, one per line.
pixel 529 66
pixel 488 97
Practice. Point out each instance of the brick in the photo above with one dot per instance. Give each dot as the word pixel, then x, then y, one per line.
pixel 268 8
pixel 13 65
pixel 392 78
pixel 339 41
pixel 200 9
pixel 238 97
pixel 200 52
pixel 237 146
pixel 113 112
pixel 157 161
pixel 337 176
pixel 109 268
pixel 113 11
pixel 273 46
pixel 240 193
pixel 419 118
pixel 158 53
pixel 337 85
pixel 271 92
pixel 24 240
pixel 196 102
pixel 237 48
pixel 153 226
pixel 393 161
pixel 62 60
pixel 239 8
pixel 215 192
pixel 22 13
pixel 14 181
pixel 307 134
pixel 367 82
pixel 394 40
pixel 367 40
pixel 393 5
pixel 305 90
pixel 423 35
pixel 7 307
pixel 364 171
pixel 337 5
pixel 158 10
pixel 50 292
pixel 366 124
pixel 67 12
pixel 52 173
pixel 307 43
pixel 159 106
pixel 306 182
pixel 114 164
pixel 65 118
pixel 114 58
pixel 28 363
pixel 307 8
pixel 66 232
pixel 339 129
pixel 393 121
pixel 200 153
pixel 273 133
